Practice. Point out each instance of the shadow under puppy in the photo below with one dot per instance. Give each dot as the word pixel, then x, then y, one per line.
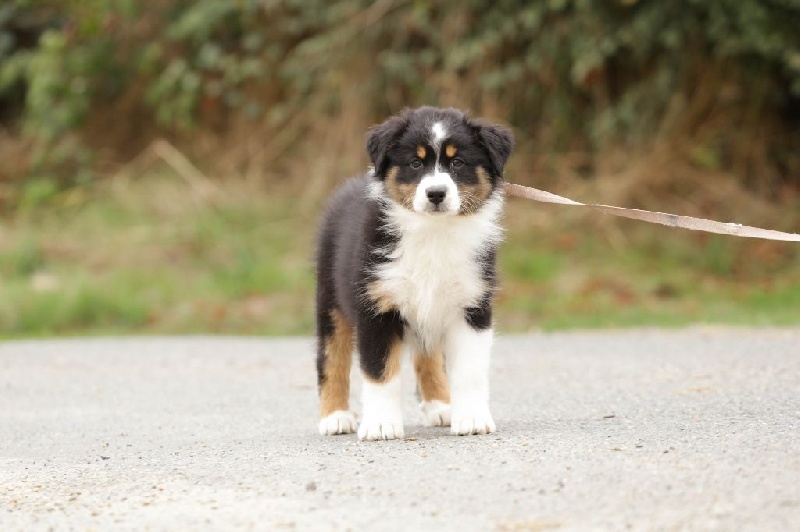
pixel 406 257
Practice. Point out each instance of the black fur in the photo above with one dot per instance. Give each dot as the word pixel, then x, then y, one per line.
pixel 480 317
pixel 498 142
pixel 376 334
pixel 382 137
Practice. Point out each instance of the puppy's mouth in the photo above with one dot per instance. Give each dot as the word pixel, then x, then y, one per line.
pixel 440 209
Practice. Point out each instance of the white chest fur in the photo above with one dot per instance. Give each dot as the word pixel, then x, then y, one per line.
pixel 435 271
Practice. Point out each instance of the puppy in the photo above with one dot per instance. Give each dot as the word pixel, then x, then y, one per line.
pixel 406 258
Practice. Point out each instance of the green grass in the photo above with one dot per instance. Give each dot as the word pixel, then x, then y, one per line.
pixel 146 258
pixel 651 276
pixel 149 260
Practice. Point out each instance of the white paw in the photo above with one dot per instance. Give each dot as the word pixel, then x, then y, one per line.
pixel 339 422
pixel 382 418
pixel 472 420
pixel 380 429
pixel 436 413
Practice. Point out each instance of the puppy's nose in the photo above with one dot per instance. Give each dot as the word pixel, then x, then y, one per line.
pixel 436 194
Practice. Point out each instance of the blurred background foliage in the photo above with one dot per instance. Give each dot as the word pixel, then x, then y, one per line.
pixel 88 82
pixel 687 105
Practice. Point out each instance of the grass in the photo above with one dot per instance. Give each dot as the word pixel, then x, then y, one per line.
pixel 148 258
pixel 632 274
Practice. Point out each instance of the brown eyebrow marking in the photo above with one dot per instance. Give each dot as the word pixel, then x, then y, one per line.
pixel 450 150
pixel 421 152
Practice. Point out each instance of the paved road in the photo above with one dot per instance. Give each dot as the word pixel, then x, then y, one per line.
pixel 649 430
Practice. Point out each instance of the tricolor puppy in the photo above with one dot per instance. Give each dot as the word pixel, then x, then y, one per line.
pixel 406 258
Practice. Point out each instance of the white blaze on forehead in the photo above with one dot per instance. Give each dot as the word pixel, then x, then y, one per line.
pixel 439 133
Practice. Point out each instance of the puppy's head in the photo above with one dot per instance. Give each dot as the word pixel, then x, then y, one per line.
pixel 439 161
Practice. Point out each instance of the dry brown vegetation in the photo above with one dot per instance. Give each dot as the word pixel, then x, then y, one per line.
pixel 205 135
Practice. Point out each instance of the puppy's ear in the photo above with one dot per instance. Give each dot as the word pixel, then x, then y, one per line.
pixel 498 142
pixel 381 137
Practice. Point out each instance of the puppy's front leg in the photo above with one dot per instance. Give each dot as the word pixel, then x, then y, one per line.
pixel 380 344
pixel 468 351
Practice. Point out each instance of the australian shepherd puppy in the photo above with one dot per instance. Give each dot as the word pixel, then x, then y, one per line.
pixel 406 258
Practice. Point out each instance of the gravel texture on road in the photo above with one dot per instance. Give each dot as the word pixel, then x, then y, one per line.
pixel 692 429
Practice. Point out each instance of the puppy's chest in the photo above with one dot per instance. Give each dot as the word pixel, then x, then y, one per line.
pixel 430 278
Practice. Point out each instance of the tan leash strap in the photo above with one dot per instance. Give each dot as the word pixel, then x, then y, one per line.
pixel 670 220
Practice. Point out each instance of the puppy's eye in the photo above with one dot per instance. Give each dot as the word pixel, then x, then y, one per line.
pixel 456 163
pixel 416 164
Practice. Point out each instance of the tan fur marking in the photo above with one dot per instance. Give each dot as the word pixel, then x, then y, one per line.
pixel 391 175
pixel 401 193
pixel 451 150
pixel 381 299
pixel 473 196
pixel 393 362
pixel 334 394
pixel 431 378
pixel 421 152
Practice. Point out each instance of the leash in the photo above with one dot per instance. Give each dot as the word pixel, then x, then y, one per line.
pixel 670 220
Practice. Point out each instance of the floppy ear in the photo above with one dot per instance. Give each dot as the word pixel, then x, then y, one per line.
pixel 498 142
pixel 381 137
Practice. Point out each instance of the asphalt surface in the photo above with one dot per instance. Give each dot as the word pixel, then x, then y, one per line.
pixel 695 429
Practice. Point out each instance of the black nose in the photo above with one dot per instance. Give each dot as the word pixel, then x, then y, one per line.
pixel 436 194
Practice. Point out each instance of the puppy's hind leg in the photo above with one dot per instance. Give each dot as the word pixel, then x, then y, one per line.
pixel 433 388
pixel 334 357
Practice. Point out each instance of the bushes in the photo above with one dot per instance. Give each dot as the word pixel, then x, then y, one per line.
pixel 570 74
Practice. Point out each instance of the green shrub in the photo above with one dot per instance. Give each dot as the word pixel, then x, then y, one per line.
pixel 568 73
